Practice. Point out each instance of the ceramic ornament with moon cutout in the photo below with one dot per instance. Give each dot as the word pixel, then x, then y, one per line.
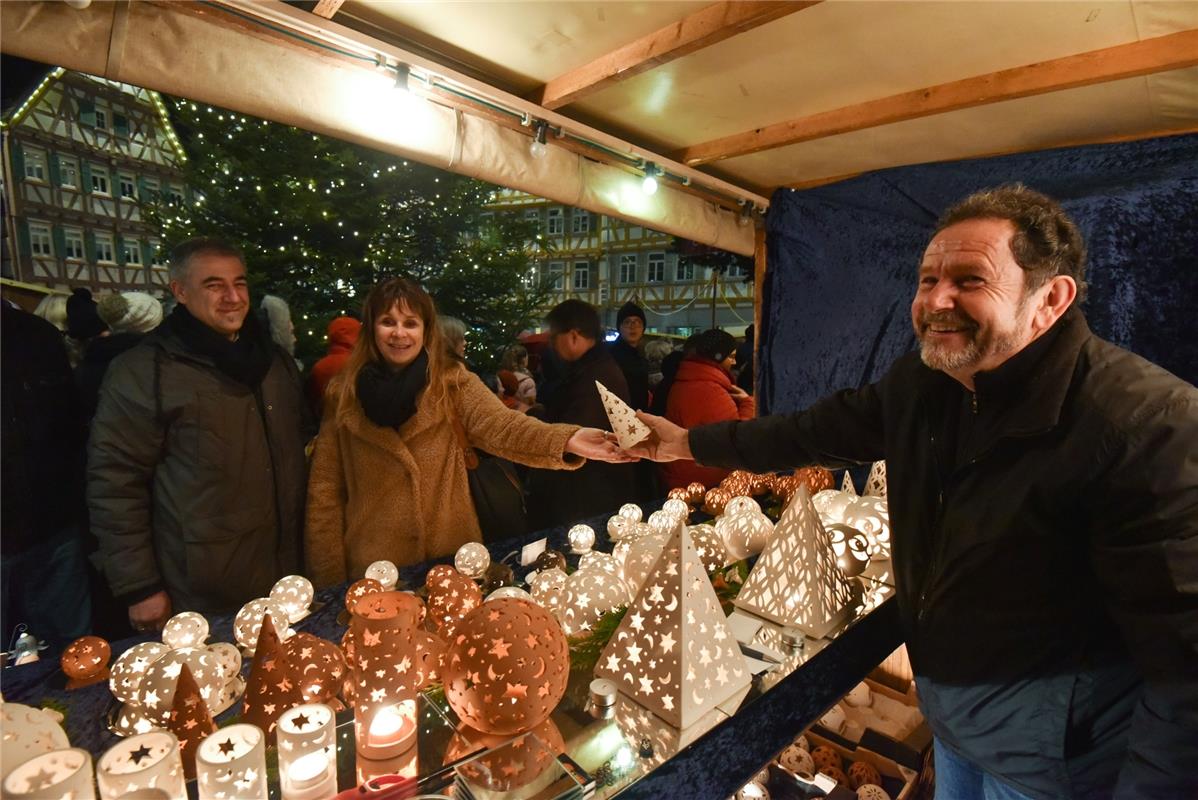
pixel 795 580
pixel 629 430
pixel 673 651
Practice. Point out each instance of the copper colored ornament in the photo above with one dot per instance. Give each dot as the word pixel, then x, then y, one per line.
pixel 451 596
pixel 861 773
pixel 506 669
pixel 785 487
pixel 695 491
pixel 826 758
pixel 550 559
pixel 273 686
pixel 715 500
pixel 761 484
pixel 837 774
pixel 85 661
pixel 508 763
pixel 497 576
pixel 737 486
pixel 319 666
pixel 679 493
pixel 360 589
pixel 190 720
pixel 429 659
pixel 384 669
pixel 817 479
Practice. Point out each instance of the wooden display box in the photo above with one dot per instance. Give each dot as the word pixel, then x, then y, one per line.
pixel 898 780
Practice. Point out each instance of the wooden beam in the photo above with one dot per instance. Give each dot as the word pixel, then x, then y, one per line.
pixel 327 8
pixel 1174 51
pixel 703 28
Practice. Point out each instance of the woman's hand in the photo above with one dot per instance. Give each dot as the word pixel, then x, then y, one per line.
pixel 666 442
pixel 597 445
pixel 737 392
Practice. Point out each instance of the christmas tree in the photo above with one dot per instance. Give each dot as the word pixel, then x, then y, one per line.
pixel 322 220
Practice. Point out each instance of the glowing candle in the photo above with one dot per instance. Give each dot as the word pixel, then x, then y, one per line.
pixel 307 753
pixel 391 726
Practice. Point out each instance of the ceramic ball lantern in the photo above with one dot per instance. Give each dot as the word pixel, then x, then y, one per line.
pixel 642 555
pixel 130 668
pixel 248 621
pixel 696 492
pixel 715 500
pixel 156 691
pixel 359 589
pixel 744 535
pixel 632 512
pixel 619 527
pixel 831 504
pixel 709 547
pixel 597 560
pixel 472 559
pixel 510 592
pixel 871 516
pixel 294 593
pixel 740 505
pixel 581 539
pixel 587 595
pixel 679 493
pixel 385 572
pixel 850 548
pixel 816 479
pixel 85 661
pixel 677 508
pixel 797 760
pixel 547 587
pixel 861 773
pixel 187 629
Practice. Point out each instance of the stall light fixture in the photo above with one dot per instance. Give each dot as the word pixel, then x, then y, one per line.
pixel 536 147
pixel 649 184
pixel 403 78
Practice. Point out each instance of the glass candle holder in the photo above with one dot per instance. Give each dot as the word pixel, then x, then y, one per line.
pixel 141 763
pixel 65 774
pixel 231 764
pixel 307 739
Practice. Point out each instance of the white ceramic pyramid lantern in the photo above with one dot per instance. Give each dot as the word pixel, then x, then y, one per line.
pixel 628 429
pixel 796 580
pixel 846 484
pixel 673 651
pixel 875 484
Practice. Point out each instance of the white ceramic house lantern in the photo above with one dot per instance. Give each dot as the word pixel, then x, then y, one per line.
pixel 231 764
pixel 144 765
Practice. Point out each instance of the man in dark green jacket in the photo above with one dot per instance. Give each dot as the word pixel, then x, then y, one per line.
pixel 196 468
pixel 1043 491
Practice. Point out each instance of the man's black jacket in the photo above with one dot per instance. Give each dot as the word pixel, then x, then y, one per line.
pixel 1045 546
pixel 635 367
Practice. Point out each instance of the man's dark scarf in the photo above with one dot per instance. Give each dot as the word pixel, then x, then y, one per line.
pixel 246 360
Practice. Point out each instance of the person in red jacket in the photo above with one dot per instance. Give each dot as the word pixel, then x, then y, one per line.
pixel 703 392
pixel 342 333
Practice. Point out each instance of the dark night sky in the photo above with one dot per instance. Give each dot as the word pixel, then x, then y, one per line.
pixel 18 77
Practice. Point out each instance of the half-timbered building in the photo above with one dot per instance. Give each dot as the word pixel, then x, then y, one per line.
pixel 80 154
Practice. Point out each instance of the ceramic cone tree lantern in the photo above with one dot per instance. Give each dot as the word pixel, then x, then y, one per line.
pixel 796 580
pixel 673 652
pixel 273 686
pixel 190 719
pixel 628 429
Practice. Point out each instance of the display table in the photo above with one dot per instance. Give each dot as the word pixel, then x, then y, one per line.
pixel 712 763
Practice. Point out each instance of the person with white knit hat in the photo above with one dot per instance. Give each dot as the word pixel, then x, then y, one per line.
pixel 129 317
pixel 130 312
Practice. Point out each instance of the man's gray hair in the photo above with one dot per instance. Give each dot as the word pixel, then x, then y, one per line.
pixel 182 253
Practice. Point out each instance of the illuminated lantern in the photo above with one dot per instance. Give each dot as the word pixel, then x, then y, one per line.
pixel 816 479
pixel 295 594
pixel 581 539
pixel 631 512
pixel 642 555
pixel 430 658
pixel 785 487
pixel 744 534
pixel 318 666
pixel 156 692
pixel 85 661
pixel 59 773
pixel 27 732
pixel 130 668
pixel 507 764
pixel 587 595
pixel 709 547
pixel 507 667
pixel 451 596
pixel 695 492
pixel 597 560
pixel 761 484
pixel 831 504
pixel 678 509
pixel 248 621
pixel 510 592
pixel 227 657
pixel 231 764
pixel 308 753
pixel 736 485
pixel 846 484
pixel 145 765
pixel 273 686
pixel 618 527
pixel 386 573
pixel 547 587
pixel 850 548
pixel 679 493
pixel 715 500
pixel 384 667
pixel 741 505
pixel 187 629
pixel 190 720
pixel 662 522
pixel 359 589
pixel 870 516
pixel 550 559
pixel 875 484
pixel 472 560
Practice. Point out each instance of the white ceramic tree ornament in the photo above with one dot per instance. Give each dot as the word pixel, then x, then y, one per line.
pixel 846 484
pixel 673 651
pixel 796 580
pixel 629 430
pixel 875 484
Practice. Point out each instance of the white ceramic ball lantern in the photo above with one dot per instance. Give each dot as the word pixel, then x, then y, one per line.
pixel 385 572
pixel 547 587
pixel 587 595
pixel 187 629
pixel 597 560
pixel 745 534
pixel 678 509
pixel 510 592
pixel 662 522
pixel 157 689
pixel 248 621
pixel 871 516
pixel 850 547
pixel 631 512
pixel 619 527
pixel 709 547
pixel 642 555
pixel 741 505
pixel 130 668
pixel 294 593
pixel 472 560
pixel 581 539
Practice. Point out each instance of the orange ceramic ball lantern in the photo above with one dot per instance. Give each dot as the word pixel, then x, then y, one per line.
pixel 85 661
pixel 695 492
pixel 761 484
pixel 507 666
pixel 816 479
pixel 451 596
pixel 679 493
pixel 715 500
pixel 360 589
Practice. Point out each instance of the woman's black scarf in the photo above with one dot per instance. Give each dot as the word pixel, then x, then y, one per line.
pixel 246 360
pixel 388 396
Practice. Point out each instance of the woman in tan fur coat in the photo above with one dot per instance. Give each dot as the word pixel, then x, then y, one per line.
pixel 388 475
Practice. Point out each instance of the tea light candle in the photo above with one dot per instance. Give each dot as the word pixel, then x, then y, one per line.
pixel 389 730
pixel 59 773
pixel 307 753
pixel 140 763
pixel 231 764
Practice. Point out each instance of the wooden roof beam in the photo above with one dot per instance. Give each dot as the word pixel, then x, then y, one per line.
pixel 327 8
pixel 703 28
pixel 1160 54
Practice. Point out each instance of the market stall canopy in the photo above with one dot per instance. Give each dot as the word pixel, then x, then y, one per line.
pixel 725 101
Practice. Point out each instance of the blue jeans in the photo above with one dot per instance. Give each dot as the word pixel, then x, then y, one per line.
pixel 960 779
pixel 46 587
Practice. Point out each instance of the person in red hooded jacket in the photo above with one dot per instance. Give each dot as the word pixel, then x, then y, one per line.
pixel 702 393
pixel 342 334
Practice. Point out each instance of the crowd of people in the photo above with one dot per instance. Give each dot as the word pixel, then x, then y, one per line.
pixel 200 461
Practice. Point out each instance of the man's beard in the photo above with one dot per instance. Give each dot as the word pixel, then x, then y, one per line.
pixel 978 346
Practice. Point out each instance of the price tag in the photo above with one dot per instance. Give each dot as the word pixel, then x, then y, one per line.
pixel 530 552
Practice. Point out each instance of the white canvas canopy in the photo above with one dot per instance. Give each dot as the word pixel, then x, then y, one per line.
pixel 730 100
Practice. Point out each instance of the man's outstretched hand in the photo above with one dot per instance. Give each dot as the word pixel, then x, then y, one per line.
pixel 666 442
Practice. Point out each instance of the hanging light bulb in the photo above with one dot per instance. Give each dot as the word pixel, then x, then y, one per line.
pixel 537 148
pixel 649 184
pixel 402 74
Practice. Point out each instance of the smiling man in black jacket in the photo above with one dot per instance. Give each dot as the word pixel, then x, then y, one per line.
pixel 1044 502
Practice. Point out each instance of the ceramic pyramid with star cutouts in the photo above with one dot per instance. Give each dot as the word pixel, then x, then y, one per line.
pixel 673 652
pixel 628 429
pixel 273 686
pixel 190 720
pixel 795 580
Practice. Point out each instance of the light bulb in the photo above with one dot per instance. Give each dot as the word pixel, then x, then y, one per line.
pixel 536 149
pixel 649 185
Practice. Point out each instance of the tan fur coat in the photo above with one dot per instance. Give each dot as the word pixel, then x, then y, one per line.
pixel 377 493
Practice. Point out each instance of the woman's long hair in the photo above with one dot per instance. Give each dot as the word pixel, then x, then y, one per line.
pixel 380 300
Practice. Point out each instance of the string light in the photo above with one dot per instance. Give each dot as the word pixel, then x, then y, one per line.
pixel 649 184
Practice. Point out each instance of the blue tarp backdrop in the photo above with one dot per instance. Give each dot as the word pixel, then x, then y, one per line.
pixel 843 259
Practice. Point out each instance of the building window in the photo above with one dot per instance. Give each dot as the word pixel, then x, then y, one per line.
pixel 151 186
pixel 39 240
pixel 176 194
pixel 158 258
pixel 580 222
pixel 128 188
pixel 582 275
pixel 657 267
pixel 132 251
pixel 736 271
pixel 35 164
pixel 685 271
pixel 101 119
pixel 533 215
pixel 556 268
pixel 68 174
pixel 73 243
pixel 557 222
pixel 104 248
pixel 99 179
pixel 628 268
